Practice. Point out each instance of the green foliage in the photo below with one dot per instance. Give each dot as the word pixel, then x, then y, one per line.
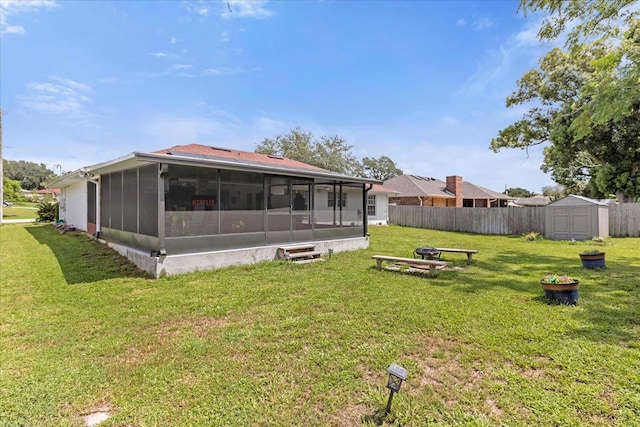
pixel 11 190
pixel 556 279
pixel 597 162
pixel 554 192
pixel 531 236
pixel 309 344
pixel 382 168
pixel 518 192
pixel 585 19
pixel 585 100
pixel 47 211
pixel 591 252
pixel 32 176
pixel 330 153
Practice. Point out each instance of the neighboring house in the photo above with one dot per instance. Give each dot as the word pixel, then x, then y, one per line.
pixel 534 201
pixel 454 192
pixel 378 204
pixel 196 207
pixel 52 193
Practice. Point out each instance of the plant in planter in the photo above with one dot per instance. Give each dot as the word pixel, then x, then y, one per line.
pixel 561 288
pixel 592 258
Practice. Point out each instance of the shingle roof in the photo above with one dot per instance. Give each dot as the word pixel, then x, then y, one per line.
pixel 382 189
pixel 472 191
pixel 414 186
pixel 224 153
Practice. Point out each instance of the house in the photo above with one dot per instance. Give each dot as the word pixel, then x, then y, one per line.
pixel 378 204
pixel 196 207
pixel 454 192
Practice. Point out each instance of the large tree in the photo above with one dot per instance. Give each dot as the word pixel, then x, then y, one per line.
pixel 31 175
pixel 382 168
pixel 328 152
pixel 331 153
pixel 584 100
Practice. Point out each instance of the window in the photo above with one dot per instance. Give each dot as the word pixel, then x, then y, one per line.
pixel 343 199
pixel 371 204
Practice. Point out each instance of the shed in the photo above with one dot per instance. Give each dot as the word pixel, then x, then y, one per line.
pixel 576 217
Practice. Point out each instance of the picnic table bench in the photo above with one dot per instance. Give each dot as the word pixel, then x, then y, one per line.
pixel 412 262
pixel 469 252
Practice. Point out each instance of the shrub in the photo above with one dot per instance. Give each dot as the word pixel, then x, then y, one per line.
pixel 531 236
pixel 47 211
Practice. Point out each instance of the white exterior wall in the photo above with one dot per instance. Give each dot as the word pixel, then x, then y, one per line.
pixel 73 205
pixel 382 209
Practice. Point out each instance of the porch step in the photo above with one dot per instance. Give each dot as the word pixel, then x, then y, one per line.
pixel 300 253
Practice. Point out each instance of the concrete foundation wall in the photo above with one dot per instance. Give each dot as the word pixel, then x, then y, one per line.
pixel 180 264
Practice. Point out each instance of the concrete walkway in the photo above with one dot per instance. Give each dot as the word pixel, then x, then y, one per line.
pixel 17 221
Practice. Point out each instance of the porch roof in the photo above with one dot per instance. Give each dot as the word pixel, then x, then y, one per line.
pixel 210 157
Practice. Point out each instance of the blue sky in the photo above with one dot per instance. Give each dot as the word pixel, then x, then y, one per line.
pixel 423 82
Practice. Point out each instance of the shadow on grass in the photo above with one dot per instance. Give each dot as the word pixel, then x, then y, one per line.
pixel 608 298
pixel 83 259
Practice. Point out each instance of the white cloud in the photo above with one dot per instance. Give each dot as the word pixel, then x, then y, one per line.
pixel 221 71
pixel 528 36
pixel 58 96
pixel 449 121
pixel 247 9
pixel 181 67
pixel 13 8
pixel 159 55
pixel 519 48
pixel 173 40
pixel 14 29
pixel 202 11
pixel 461 22
pixel 482 24
pixel 268 126
pixel 224 37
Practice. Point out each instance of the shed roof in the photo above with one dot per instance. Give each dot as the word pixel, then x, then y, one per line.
pixel 573 200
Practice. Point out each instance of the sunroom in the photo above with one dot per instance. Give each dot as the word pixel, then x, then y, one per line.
pixel 197 207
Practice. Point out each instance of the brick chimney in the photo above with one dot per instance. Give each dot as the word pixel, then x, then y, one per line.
pixel 454 185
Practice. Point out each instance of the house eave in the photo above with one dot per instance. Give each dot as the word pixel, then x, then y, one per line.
pixel 250 167
pixel 138 159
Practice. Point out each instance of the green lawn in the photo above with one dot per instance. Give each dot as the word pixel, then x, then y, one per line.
pixel 277 344
pixel 28 211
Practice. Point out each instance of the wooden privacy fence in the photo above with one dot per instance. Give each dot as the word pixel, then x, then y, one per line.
pixel 624 219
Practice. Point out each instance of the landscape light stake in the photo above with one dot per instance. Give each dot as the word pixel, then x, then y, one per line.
pixel 397 374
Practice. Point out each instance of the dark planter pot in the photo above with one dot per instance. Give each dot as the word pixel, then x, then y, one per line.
pixel 592 261
pixel 565 293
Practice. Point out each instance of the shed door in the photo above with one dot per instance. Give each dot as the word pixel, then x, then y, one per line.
pixel 561 224
pixel 581 223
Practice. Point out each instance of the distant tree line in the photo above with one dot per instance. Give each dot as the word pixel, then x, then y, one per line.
pixel 30 175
